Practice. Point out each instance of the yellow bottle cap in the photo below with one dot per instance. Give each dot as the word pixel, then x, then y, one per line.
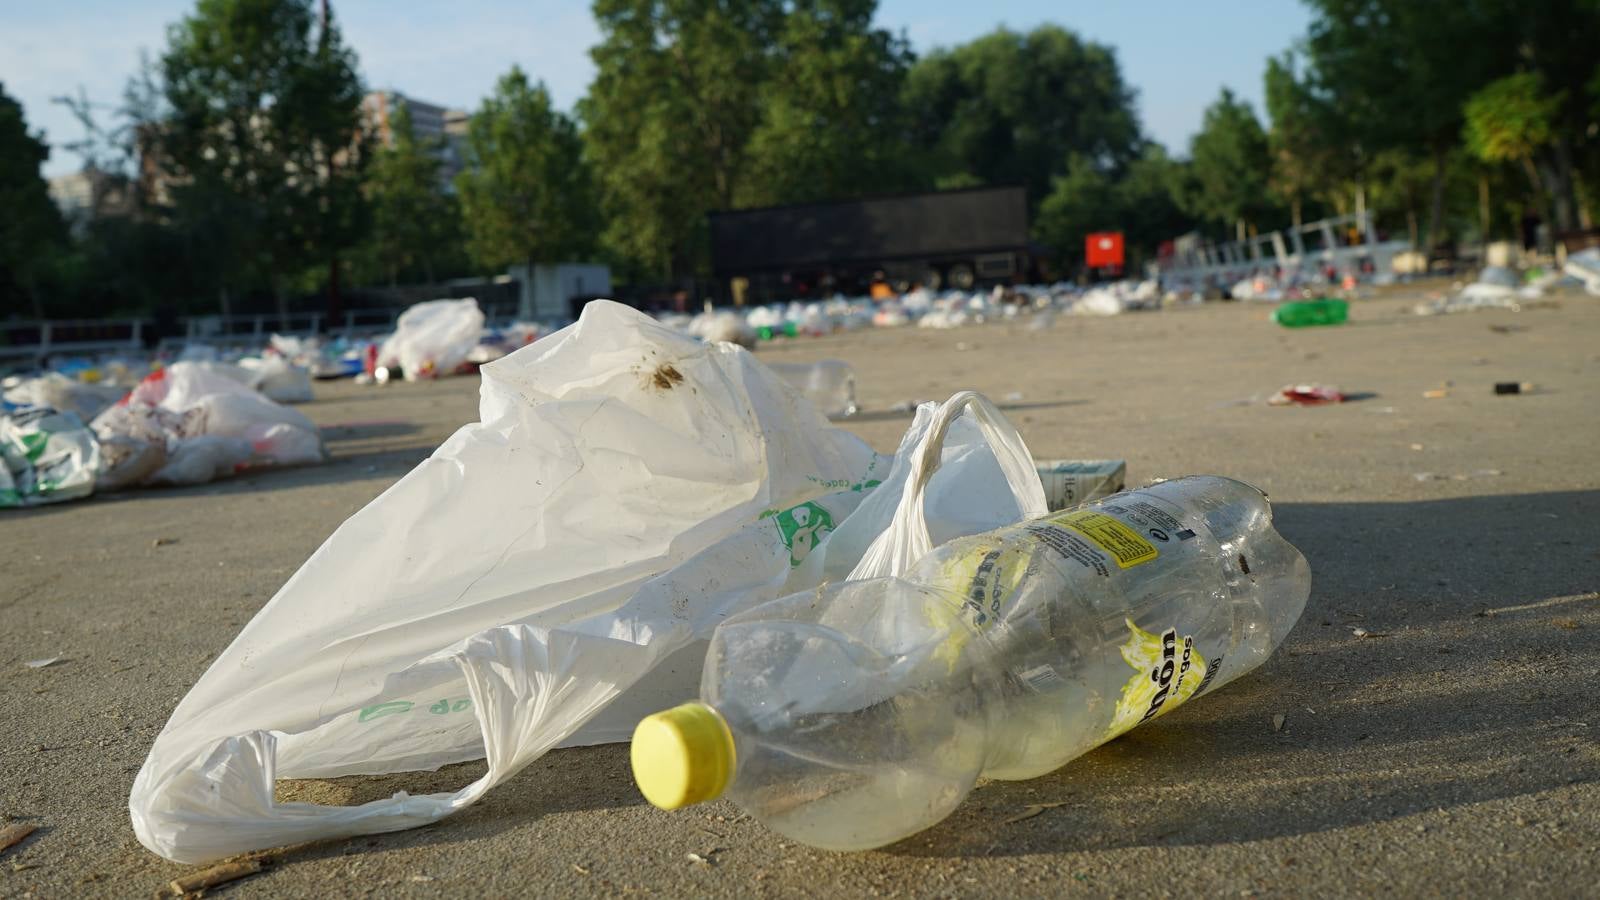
pixel 682 756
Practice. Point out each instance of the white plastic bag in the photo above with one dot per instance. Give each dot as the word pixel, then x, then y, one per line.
pixel 209 425
pixel 280 380
pixel 45 457
pixel 626 489
pixel 433 338
pixel 63 394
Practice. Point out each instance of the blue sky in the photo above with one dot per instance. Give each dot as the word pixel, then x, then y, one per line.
pixel 1176 53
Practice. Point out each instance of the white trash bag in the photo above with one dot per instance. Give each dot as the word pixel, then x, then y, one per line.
pixel 45 457
pixel 627 488
pixel 207 424
pixel 433 338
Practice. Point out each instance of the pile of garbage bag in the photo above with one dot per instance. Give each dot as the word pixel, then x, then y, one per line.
pixel 187 423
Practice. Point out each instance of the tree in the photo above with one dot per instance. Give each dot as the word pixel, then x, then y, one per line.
pixel 525 193
pixel 1013 108
pixel 1137 202
pixel 263 137
pixel 832 124
pixel 1400 70
pixel 1230 163
pixel 669 117
pixel 31 230
pixel 1312 151
pixel 415 223
pixel 1509 121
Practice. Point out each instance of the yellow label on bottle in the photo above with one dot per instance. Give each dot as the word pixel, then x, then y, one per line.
pixel 1125 545
pixel 1168 669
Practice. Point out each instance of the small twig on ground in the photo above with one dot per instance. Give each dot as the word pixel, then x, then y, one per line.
pixel 13 834
pixel 210 878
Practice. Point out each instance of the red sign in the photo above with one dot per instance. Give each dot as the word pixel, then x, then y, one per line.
pixel 1103 250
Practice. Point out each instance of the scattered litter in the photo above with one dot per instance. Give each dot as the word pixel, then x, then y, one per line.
pixel 432 339
pixel 1436 394
pixel 1305 395
pixel 829 384
pixel 210 878
pixel 46 662
pixel 424 879
pixel 1363 633
pixel 1013 397
pixel 1585 266
pixel 705 859
pixel 697 464
pixel 187 425
pixel 1513 387
pixel 1416 446
pixel 163 542
pixel 45 457
pixel 1466 476
pixel 1031 810
pixel 1507 329
pixel 1322 311
pixel 1278 720
pixel 1496 288
pixel 13 834
pixel 1069 482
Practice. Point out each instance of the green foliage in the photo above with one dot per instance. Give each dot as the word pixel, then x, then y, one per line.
pixel 1312 150
pixel 31 230
pixel 1013 108
pixel 1138 202
pixel 262 138
pixel 669 118
pixel 832 125
pixel 1510 119
pixel 415 223
pixel 526 194
pixel 1230 163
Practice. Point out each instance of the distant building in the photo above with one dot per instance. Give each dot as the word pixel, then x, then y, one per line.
pixel 557 291
pixel 428 121
pixel 90 194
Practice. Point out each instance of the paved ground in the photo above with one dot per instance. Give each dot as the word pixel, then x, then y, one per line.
pixel 1456 753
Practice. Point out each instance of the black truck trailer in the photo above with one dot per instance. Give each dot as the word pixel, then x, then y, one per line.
pixel 961 239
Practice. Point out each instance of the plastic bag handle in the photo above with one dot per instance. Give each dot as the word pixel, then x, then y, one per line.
pixel 906 539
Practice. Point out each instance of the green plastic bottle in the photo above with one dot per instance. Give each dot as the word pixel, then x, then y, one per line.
pixel 1321 311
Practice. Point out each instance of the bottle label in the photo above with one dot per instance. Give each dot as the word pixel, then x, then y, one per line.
pixel 1168 669
pixel 1125 546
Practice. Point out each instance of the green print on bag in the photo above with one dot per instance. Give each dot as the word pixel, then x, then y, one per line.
pixel 397 707
pixel 802 528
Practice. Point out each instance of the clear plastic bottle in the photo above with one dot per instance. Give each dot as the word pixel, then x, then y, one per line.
pixel 858 714
pixel 830 384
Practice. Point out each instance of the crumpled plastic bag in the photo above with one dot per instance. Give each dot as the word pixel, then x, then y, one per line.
pixel 545 578
pixel 433 338
pixel 59 392
pixel 45 457
pixel 1585 266
pixel 207 425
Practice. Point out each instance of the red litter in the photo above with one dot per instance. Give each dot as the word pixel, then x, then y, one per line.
pixel 1305 395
